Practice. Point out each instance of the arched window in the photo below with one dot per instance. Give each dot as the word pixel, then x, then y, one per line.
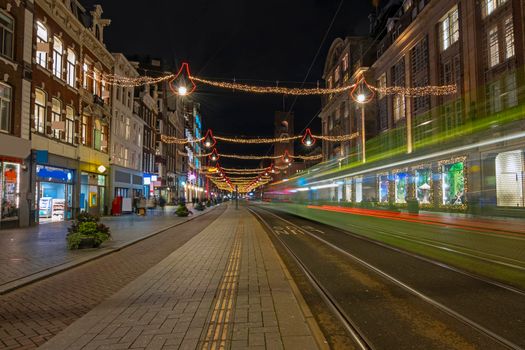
pixel 70 124
pixel 42 46
pixel 40 110
pixel 58 50
pixel 56 110
pixel 71 68
pixel 7 28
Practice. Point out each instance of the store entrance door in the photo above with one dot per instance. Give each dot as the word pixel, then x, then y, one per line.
pixel 55 201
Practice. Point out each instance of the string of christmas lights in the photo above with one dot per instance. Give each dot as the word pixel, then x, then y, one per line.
pixel 257 140
pixel 417 91
pixel 272 89
pixel 340 138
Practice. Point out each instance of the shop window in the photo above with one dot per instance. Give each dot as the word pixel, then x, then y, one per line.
pixel 42 45
pixel 58 50
pixel 56 118
pixel 383 184
pixel 40 110
pixel 9 190
pixel 449 29
pixel 509 179
pixel 348 190
pixel 71 68
pixel 359 189
pixel 6 99
pixel 423 180
pixel 70 124
pixel 453 184
pixel 401 186
pixel 7 27
pixel 399 107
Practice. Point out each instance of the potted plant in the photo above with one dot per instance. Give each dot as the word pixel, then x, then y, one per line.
pixel 87 232
pixel 182 210
pixel 200 206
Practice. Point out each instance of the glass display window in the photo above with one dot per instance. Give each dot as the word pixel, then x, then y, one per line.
pixel 401 186
pixel 423 181
pixel 383 188
pixel 9 190
pixel 453 183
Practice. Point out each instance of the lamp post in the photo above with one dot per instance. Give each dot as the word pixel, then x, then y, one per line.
pixel 361 99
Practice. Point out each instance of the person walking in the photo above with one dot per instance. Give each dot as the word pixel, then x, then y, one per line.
pixel 162 204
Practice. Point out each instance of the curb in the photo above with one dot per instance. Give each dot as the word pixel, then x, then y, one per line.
pixel 51 271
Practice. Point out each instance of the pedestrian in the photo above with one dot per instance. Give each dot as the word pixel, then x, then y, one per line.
pixel 162 203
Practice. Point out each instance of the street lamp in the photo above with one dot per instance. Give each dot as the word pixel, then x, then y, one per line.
pixel 182 90
pixel 362 94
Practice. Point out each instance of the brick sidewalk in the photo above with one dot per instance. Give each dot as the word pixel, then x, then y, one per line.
pixel 32 253
pixel 224 288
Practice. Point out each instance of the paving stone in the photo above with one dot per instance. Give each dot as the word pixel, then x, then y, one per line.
pixel 171 305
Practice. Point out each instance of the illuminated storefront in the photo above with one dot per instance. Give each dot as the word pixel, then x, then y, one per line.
pixel 423 185
pixel 509 179
pixel 93 193
pixel 54 193
pixel 453 182
pixel 383 184
pixel 9 191
pixel 400 187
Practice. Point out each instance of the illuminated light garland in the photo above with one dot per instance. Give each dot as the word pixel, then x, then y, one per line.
pixel 113 79
pixel 417 91
pixel 258 140
pixel 271 89
pixel 340 138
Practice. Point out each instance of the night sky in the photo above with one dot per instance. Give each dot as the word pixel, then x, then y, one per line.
pixel 254 41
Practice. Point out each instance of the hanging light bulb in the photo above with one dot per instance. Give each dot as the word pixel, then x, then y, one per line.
pixel 286 157
pixel 362 93
pixel 214 156
pixel 308 139
pixel 209 141
pixel 182 84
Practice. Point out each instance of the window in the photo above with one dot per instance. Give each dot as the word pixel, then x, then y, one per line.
pixel 56 109
pixel 84 130
pixel 42 47
pixel 330 123
pixel 7 26
pixel 85 69
pixel 345 62
pixel 119 92
pixel 57 57
pixel 128 129
pixel 381 86
pixel 407 5
pixel 489 6
pixel 493 46
pixel 399 107
pixel 337 74
pixel 70 124
pixel 509 38
pixel 511 90
pixel 71 65
pixel 494 97
pixel 40 110
pixel 5 107
pixel 449 29
pixel 96 78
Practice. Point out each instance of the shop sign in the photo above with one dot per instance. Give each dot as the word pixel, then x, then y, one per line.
pixel 45 173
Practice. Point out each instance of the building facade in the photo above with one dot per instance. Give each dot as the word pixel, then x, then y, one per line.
pixel 70 112
pixel 126 176
pixel 16 48
pixel 454 152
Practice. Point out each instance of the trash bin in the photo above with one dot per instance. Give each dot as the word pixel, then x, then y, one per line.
pixel 413 206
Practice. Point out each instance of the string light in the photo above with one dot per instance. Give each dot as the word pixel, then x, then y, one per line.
pixel 189 86
pixel 210 139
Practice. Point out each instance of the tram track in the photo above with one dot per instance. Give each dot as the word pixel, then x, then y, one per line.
pixel 466 329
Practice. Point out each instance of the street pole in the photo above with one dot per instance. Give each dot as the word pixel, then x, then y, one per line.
pixel 409 131
pixel 363 134
pixel 236 196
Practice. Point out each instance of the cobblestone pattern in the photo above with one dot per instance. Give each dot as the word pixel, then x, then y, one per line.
pixel 34 314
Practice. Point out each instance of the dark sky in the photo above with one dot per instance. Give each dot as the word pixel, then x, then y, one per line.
pixel 257 41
